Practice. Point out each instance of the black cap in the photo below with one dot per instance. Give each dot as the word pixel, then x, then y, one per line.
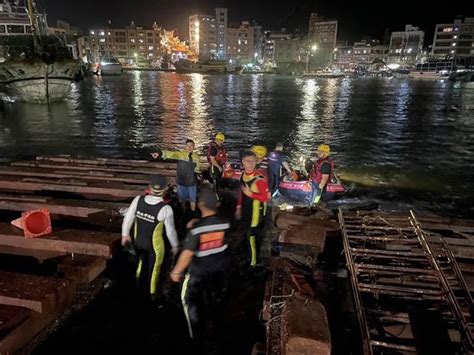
pixel 208 197
pixel 158 182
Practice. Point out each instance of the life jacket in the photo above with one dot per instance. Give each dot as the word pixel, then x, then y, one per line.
pixel 316 174
pixel 262 168
pixel 147 226
pixel 250 184
pixel 221 156
pixel 274 160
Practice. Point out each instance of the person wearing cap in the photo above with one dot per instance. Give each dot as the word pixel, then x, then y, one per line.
pixel 252 203
pixel 260 152
pixel 276 160
pixel 217 158
pixel 151 219
pixel 321 172
pixel 188 167
pixel 203 265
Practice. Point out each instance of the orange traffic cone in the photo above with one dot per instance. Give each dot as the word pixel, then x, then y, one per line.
pixel 34 223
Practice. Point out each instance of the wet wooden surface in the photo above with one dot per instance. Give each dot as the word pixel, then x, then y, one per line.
pixel 37 293
pixel 67 240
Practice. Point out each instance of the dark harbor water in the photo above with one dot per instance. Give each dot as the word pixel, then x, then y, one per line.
pixel 398 143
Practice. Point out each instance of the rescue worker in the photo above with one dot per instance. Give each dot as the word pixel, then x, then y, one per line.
pixel 252 203
pixel 151 219
pixel 260 152
pixel 217 158
pixel 321 173
pixel 188 167
pixel 206 259
pixel 276 160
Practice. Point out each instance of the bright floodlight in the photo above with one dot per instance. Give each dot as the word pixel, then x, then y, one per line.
pixel 314 47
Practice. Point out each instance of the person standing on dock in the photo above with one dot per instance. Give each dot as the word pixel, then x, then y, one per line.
pixel 151 219
pixel 252 203
pixel 205 257
pixel 321 172
pixel 188 167
pixel 217 158
pixel 277 159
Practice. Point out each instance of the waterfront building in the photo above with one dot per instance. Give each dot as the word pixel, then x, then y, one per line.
pixel 322 33
pixel 343 56
pixel 240 42
pixel 203 36
pixel 258 42
pixel 361 53
pixel 454 40
pixel 270 39
pixel 406 47
pixel 132 44
pixel 221 32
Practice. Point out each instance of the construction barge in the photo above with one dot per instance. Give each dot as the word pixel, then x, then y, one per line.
pixel 341 281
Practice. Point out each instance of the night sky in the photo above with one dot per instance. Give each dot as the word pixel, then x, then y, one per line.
pixel 356 18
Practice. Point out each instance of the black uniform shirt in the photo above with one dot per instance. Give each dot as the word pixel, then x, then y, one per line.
pixel 207 239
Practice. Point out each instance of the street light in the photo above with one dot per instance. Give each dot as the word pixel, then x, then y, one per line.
pixel 314 48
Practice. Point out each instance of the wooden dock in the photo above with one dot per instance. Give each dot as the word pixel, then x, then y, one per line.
pixel 86 192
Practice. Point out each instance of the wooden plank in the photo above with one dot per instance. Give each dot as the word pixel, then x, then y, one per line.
pixel 81 212
pixel 96 212
pixel 286 219
pixel 79 175
pixel 5 197
pixel 20 336
pixel 40 255
pixel 305 234
pixel 82 268
pixel 160 164
pixel 37 293
pixel 121 169
pixel 66 240
pixel 305 327
pixel 105 191
pixel 11 317
pixel 107 161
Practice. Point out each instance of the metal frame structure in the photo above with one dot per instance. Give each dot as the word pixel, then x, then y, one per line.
pixel 396 266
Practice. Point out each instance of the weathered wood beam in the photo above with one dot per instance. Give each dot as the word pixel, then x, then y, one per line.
pixel 66 240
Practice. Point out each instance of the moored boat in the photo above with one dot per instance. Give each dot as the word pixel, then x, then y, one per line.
pixel 206 67
pixel 36 67
pixel 108 65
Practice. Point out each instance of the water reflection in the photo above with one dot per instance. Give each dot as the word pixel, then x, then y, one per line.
pixel 385 132
pixel 305 130
pixel 200 126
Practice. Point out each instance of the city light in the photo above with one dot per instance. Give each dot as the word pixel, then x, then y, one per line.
pixel 314 47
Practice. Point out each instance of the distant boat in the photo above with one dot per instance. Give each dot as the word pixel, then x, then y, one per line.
pixel 206 67
pixel 36 67
pixel 433 70
pixel 464 75
pixel 429 75
pixel 109 65
pixel 326 74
